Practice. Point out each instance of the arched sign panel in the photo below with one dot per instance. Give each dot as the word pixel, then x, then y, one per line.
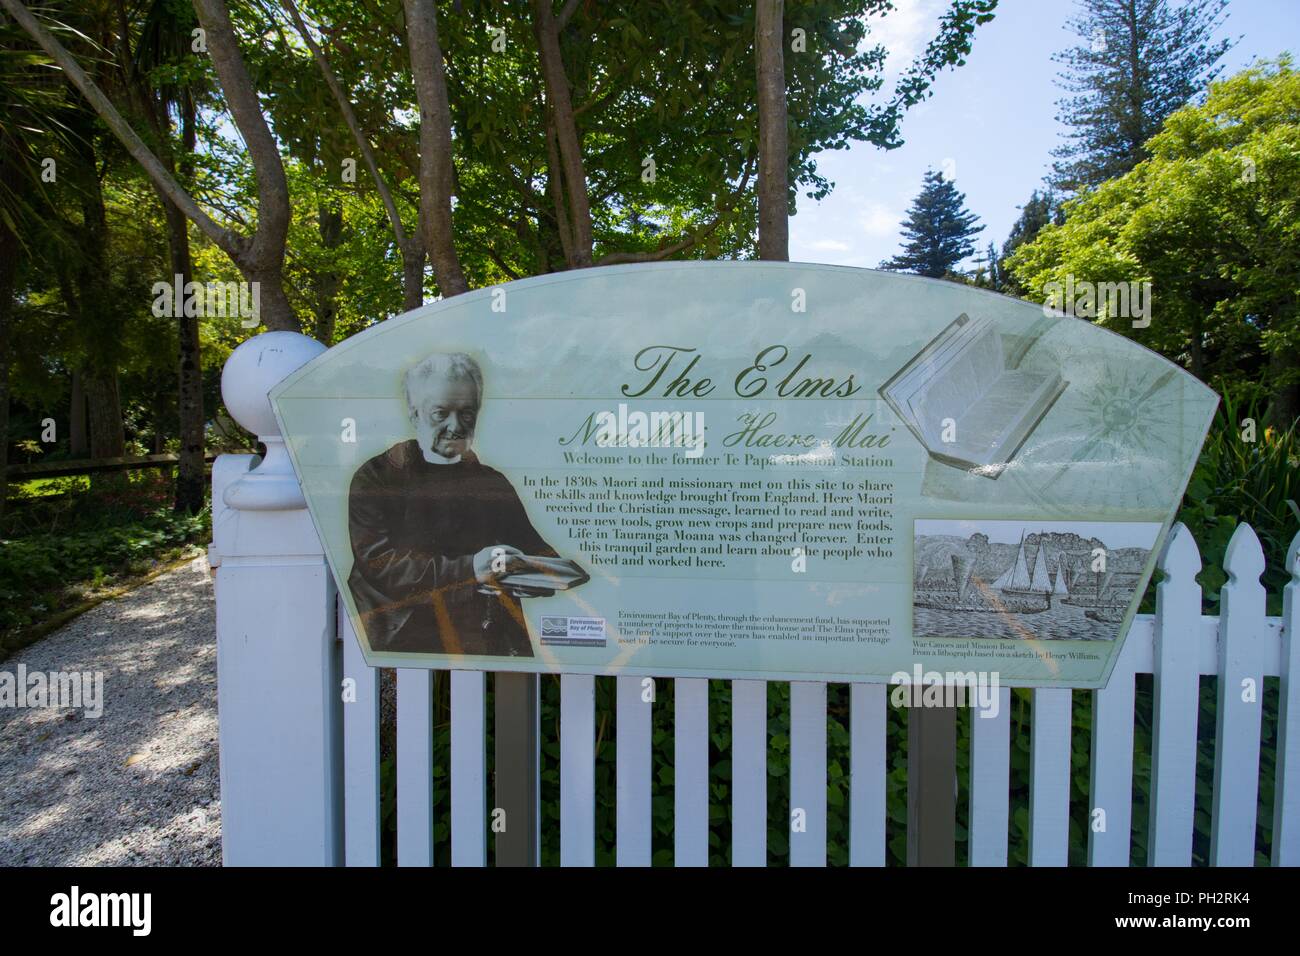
pixel 743 470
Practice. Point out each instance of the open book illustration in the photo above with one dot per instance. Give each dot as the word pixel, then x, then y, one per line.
pixel 553 574
pixel 966 400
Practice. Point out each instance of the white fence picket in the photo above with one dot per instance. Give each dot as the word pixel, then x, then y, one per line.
pixel 1176 703
pixel 990 782
pixel 577 770
pixel 414 767
pixel 361 798
pixel 632 786
pixel 691 772
pixel 468 768
pixel 1110 792
pixel 868 720
pixel 1049 772
pixel 748 773
pixel 1240 702
pixel 1286 791
pixel 807 773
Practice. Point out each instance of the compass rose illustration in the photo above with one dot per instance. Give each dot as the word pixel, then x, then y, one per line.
pixel 1118 441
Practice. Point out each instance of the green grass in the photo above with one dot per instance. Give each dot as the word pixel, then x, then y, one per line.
pixel 44 487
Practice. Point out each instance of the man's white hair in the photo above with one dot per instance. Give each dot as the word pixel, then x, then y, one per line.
pixel 447 365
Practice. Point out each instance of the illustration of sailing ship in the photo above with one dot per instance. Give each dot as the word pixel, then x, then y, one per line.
pixel 1104 598
pixel 1027 592
pixel 964 595
pixel 1061 582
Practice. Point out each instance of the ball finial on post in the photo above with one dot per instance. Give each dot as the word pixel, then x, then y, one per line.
pixel 252 370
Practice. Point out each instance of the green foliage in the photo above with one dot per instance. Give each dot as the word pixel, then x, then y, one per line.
pixel 58 549
pixel 1236 481
pixel 1210 221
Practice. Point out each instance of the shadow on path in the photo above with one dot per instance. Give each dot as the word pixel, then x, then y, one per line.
pixel 137 786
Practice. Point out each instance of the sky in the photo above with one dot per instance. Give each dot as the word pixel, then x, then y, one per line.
pixel 990 124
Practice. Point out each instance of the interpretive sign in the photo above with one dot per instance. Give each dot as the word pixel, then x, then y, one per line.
pixel 737 470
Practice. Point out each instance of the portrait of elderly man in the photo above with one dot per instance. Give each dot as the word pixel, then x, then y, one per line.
pixel 433 529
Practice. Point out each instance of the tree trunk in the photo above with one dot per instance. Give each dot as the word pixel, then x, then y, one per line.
pixel 412 273
pixel 555 189
pixel 329 221
pixel 191 475
pixel 99 317
pixel 773 145
pixel 1196 349
pixel 437 173
pixel 8 278
pixel 560 106
pixel 78 443
pixel 262 259
pixel 191 480
pixel 1284 406
pixel 106 439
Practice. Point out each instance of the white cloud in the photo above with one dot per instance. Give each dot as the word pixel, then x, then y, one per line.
pixel 878 220
pixel 829 245
pixel 904 31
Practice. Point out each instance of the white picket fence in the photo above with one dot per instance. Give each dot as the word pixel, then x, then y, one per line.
pixel 300 769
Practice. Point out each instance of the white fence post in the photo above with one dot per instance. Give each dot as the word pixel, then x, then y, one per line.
pixel 1176 703
pixel 1240 702
pixel 1286 791
pixel 278 689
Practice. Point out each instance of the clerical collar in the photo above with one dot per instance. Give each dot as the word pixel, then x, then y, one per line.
pixel 433 458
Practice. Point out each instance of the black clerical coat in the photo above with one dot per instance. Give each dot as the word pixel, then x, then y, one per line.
pixel 415 528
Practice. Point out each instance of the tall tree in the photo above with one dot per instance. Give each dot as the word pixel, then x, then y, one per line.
pixel 30 125
pixel 938 230
pixel 562 133
pixel 1041 209
pixel 773 143
pixel 12 174
pixel 88 291
pixel 259 257
pixel 648 122
pixel 1139 60
pixel 437 174
pixel 410 245
pixel 151 58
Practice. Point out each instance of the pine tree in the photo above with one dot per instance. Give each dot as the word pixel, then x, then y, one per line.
pixel 938 230
pixel 994 279
pixel 1139 61
pixel 1041 209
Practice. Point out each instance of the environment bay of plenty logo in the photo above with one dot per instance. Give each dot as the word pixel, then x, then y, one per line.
pixel 1027 580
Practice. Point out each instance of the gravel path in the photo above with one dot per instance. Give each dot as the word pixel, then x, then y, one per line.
pixel 138 785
